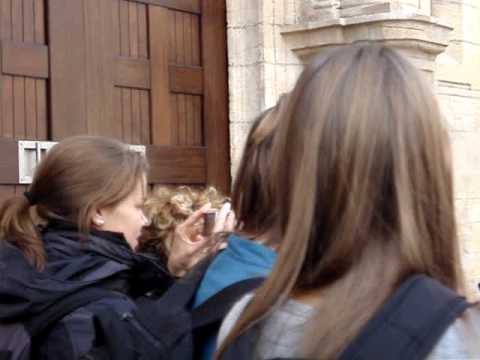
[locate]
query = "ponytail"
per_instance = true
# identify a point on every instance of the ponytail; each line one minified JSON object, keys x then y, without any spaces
{"x":17,"y":226}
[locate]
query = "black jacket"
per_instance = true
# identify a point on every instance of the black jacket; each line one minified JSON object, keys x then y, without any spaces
{"x":104,"y":260}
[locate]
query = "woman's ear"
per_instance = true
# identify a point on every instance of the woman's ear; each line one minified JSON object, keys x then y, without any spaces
{"x":98,"y":219}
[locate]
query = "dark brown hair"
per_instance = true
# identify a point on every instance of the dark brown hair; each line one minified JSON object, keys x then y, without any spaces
{"x":252,"y":197}
{"x":362,"y":181}
{"x":78,"y":176}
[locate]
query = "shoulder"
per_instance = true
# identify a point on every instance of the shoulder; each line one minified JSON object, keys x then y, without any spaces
{"x":460,"y":340}
{"x":77,"y":333}
{"x":232,"y":317}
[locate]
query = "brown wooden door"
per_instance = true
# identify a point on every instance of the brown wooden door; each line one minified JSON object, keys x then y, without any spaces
{"x":149,"y":72}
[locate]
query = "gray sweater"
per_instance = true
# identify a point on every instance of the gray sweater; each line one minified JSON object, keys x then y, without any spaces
{"x":281,"y":333}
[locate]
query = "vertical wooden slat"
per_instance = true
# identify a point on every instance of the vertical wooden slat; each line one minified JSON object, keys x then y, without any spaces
{"x":142,"y":31}
{"x":39,"y":11}
{"x":174,"y":118}
{"x":214,"y":56}
{"x":117,"y":92}
{"x":172,"y":36}
{"x":145,"y":116}
{"x":41,"y":109}
{"x":30,"y":109}
{"x":197,"y":114}
{"x":100,"y":72}
{"x":161,"y":118}
{"x":136,"y":117}
{"x":124,"y":33}
{"x":6,"y":19}
{"x":28,"y":21}
{"x":17,"y":20}
{"x":127,"y":115}
{"x":116,"y":26}
{"x":7,"y":106}
{"x":133,"y":29}
{"x":179,"y":41}
{"x":19,"y":107}
{"x":68,"y":86}
{"x":40,"y":85}
{"x":181,"y":120}
{"x":117,"y":106}
{"x":191,"y":121}
{"x":18,"y":82}
{"x":188,"y":138}
{"x":30,"y":91}
{"x":187,"y":36}
{"x":195,"y":41}
{"x":5,"y":33}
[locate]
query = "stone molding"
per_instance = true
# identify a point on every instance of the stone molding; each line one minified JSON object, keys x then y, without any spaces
{"x":420,"y":37}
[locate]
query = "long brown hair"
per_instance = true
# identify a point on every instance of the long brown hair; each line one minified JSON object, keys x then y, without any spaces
{"x":78,"y":176}
{"x":362,"y":182}
{"x":252,"y":196}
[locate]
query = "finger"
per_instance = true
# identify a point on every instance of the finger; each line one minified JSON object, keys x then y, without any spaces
{"x":197,"y":241}
{"x":196,"y":216}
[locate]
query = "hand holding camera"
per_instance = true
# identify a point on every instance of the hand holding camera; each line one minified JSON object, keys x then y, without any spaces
{"x":189,"y":246}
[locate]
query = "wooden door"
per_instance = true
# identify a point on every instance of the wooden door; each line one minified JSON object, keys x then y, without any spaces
{"x":148,"y":72}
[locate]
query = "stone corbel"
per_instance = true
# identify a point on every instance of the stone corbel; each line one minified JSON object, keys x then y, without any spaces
{"x":420,"y":37}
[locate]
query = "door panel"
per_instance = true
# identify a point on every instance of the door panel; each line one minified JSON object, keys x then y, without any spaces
{"x":149,"y":72}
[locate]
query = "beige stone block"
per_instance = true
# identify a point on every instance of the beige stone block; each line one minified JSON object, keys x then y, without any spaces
{"x":474,"y":210}
{"x":270,"y":85}
{"x":444,"y":101}
{"x":471,"y":242}
{"x":467,"y":185}
{"x":245,"y":46}
{"x":239,"y":133}
{"x":291,"y":12}
{"x":461,"y":209}
{"x":245,"y":92}
{"x":243,"y":13}
{"x":476,"y":234}
{"x":281,"y":79}
{"x":269,"y":45}
{"x":465,"y":152}
{"x":280,"y":47}
{"x":269,"y":7}
{"x":451,"y":12}
{"x":235,"y":157}
{"x":470,"y":23}
{"x":293,"y":73}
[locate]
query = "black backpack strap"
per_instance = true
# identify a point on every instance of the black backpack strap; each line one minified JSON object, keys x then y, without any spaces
{"x":217,"y":306}
{"x":410,"y":323}
{"x":183,"y":290}
{"x":63,"y":307}
{"x":171,"y":323}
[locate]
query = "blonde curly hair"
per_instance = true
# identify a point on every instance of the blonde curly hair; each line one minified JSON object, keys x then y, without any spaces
{"x":168,"y":207}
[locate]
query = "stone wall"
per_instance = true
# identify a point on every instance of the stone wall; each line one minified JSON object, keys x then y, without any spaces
{"x":267,"y":50}
{"x":261,"y":67}
{"x":458,"y":88}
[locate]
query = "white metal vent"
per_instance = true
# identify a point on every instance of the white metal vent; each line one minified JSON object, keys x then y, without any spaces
{"x":30,"y":153}
{"x":138,"y":148}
